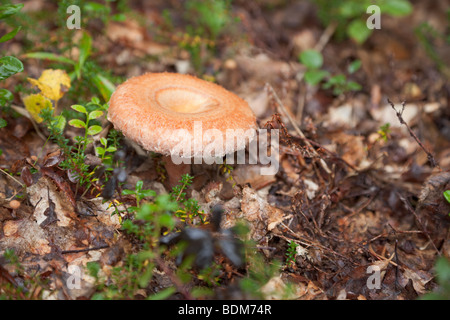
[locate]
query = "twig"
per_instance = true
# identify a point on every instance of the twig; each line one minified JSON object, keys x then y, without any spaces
{"x":24,"y":112}
{"x":419,"y":222}
{"x":412,"y":134}
{"x":85,"y":250}
{"x":10,"y":176}
{"x":297,"y":129}
{"x":326,"y":35}
{"x":175,"y":280}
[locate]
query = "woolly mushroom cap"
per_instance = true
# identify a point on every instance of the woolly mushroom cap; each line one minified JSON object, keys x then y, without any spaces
{"x":171,"y":113}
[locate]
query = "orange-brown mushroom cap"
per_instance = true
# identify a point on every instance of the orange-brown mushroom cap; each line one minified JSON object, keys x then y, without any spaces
{"x":159,"y":110}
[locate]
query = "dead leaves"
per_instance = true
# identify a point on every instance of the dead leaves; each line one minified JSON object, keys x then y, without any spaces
{"x":35,"y":103}
{"x":261,"y":216}
{"x":52,"y":83}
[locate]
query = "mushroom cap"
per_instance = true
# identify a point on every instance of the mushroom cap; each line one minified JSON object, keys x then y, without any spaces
{"x":167,"y":112}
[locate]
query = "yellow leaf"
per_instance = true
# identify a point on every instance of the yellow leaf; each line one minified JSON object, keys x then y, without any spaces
{"x":35,"y":103}
{"x":52,"y":83}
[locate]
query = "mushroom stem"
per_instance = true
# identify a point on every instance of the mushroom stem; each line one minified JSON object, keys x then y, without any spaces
{"x":174,"y":171}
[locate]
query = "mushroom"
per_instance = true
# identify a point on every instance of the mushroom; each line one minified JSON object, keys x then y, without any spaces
{"x":184,"y":118}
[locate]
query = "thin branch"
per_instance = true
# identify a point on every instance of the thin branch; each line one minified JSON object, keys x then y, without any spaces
{"x":296,"y":127}
{"x":85,"y":250}
{"x":419,"y":222}
{"x":10,"y":176}
{"x":412,"y":134}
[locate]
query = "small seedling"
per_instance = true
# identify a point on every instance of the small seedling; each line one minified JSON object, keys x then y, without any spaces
{"x":351,"y":15}
{"x":227,"y":170}
{"x":442,"y":269}
{"x":291,"y":253}
{"x":384,"y":131}
{"x":188,"y":208}
{"x":139,"y":193}
{"x":313,"y":60}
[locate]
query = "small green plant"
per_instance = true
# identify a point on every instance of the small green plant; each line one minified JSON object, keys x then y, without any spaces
{"x":188,"y":208}
{"x":428,"y":37}
{"x":75,"y":155}
{"x":227,"y":170}
{"x":82,"y":69}
{"x":9,"y":65}
{"x":105,"y":152}
{"x":139,"y":193}
{"x":30,"y":288}
{"x":291,"y":253}
{"x":442,"y":269}
{"x":137,"y":271}
{"x":209,"y":17}
{"x":384,"y":131}
{"x":206,"y":21}
{"x":351,"y":15}
{"x":259,"y":273}
{"x":313,"y":60}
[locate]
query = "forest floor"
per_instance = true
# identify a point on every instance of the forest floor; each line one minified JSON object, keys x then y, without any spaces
{"x":356,"y":210}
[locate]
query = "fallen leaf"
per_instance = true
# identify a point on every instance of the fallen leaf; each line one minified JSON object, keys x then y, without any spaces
{"x":35,"y":103}
{"x":52,"y":83}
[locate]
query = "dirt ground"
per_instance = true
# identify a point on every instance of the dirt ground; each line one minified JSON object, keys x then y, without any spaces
{"x":350,"y":198}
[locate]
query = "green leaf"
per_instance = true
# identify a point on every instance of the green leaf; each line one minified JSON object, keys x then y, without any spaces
{"x":5,"y":97}
{"x":145,"y":277}
{"x":100,"y":150}
{"x":354,"y":66}
{"x":9,"y":66}
{"x":311,"y":58}
{"x":442,"y":267}
{"x":104,"y":86}
{"x":147,"y":193}
{"x":447,"y":195}
{"x":3,"y":123}
{"x":95,"y":100}
{"x":93,"y":268}
{"x":95,"y":114}
{"x":93,"y":130}
{"x":139,"y":185}
{"x":96,"y":7}
{"x":358,"y":31}
{"x":60,"y":123}
{"x":313,"y":77}
{"x":111,"y":149}
{"x":128,"y":192}
{"x":48,"y":56}
{"x":103,"y":141}
{"x":338,"y":79}
{"x":163,"y":294}
{"x":10,"y":35}
{"x":396,"y":7}
{"x":79,"y":108}
{"x":77,"y":123}
{"x":9,"y":10}
{"x":119,"y":17}
{"x":85,"y":51}
{"x":351,"y":9}
{"x":353,"y":86}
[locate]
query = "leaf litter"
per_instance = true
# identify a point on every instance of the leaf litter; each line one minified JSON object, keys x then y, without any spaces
{"x":349,"y":198}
